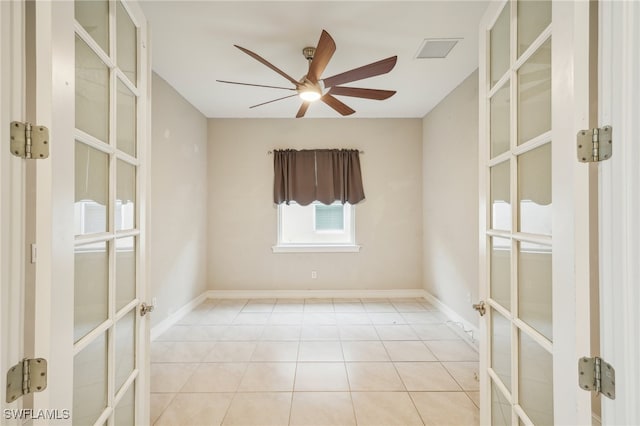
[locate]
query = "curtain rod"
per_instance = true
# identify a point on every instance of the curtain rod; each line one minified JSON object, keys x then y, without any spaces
{"x":271,"y":152}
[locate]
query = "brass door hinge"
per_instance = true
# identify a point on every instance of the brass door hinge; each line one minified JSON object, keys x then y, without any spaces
{"x":596,"y":375}
{"x":29,"y":141}
{"x":594,"y":144}
{"x":29,"y":375}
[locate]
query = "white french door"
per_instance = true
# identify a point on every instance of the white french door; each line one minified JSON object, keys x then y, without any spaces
{"x":534,"y":224}
{"x":90,"y":81}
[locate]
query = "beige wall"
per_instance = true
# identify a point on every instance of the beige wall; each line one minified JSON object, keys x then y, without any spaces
{"x":450,"y":194}
{"x":242,"y":216}
{"x":178,"y":238}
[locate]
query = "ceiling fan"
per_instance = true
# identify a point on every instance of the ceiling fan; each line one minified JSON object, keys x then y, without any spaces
{"x":312,"y":87}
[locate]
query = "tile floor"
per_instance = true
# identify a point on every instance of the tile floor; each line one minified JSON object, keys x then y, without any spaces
{"x":313,"y":362}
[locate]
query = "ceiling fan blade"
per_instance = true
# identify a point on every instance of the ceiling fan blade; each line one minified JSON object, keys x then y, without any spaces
{"x":325,"y":50}
{"x":268,"y":64}
{"x":303,"y":109}
{"x":366,"y":71}
{"x":336,"y":104}
{"x":274,"y":100}
{"x":254,"y":85}
{"x":362,"y":93}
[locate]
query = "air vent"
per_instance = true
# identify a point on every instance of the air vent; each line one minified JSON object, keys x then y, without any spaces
{"x":436,"y":47}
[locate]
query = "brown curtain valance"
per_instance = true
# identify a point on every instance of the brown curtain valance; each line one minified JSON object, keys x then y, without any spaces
{"x":325,"y":175}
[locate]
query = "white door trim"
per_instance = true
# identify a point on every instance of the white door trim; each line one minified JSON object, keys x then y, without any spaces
{"x":12,"y":177}
{"x":619,"y":204}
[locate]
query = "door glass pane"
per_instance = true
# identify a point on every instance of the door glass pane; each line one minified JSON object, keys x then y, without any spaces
{"x":90,"y":382}
{"x":501,"y":347}
{"x":500,"y":271}
{"x":125,"y":347}
{"x":125,"y":411}
{"x":534,"y":95}
{"x":125,"y":196}
{"x":500,"y":407}
{"x":91,"y":190}
{"x":500,"y":121}
{"x":534,"y":287}
{"x":126,"y":112}
{"x":500,"y":197}
{"x":499,"y":45}
{"x":534,"y":191}
{"x":533,"y":18}
{"x":125,"y":271}
{"x":92,"y":92}
{"x":91,"y":291}
{"x":94,"y":17}
{"x":536,"y":381}
{"x":127,"y":42}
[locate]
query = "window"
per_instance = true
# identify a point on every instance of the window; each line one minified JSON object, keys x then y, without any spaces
{"x":328,"y":218}
{"x":316,"y":227}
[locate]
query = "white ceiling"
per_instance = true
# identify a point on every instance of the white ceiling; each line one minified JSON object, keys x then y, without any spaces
{"x":192,"y":46}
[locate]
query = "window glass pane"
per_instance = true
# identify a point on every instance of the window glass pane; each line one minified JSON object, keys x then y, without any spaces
{"x":125,"y":347}
{"x":125,"y":411}
{"x":534,"y":191}
{"x":91,"y":190}
{"x":92,"y":92}
{"x":534,"y":287}
{"x":500,"y":120}
{"x":501,"y":347}
{"x":536,"y":381}
{"x":533,"y":18}
{"x":500,"y":407}
{"x":90,"y":382}
{"x":125,"y":271}
{"x":125,"y":196}
{"x":126,"y":116}
{"x":94,"y":17}
{"x":329,"y":218}
{"x":500,"y":197}
{"x":91,"y":291}
{"x":499,"y":45}
{"x":534,"y":95}
{"x":500,"y":271}
{"x":126,"y":44}
{"x":299,"y":224}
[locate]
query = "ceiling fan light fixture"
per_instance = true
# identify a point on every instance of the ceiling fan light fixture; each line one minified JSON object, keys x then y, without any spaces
{"x":308,"y":91}
{"x":310,"y":95}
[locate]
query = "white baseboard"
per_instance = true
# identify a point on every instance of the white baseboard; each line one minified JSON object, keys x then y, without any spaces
{"x":166,"y":323}
{"x":454,"y":317}
{"x":323,"y":294}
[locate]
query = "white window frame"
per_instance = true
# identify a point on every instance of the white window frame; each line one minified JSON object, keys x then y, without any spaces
{"x":318,"y":247}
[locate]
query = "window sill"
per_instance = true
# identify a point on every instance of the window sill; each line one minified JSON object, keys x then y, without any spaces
{"x":316,"y":248}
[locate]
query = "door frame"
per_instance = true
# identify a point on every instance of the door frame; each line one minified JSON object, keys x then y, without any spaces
{"x":572,"y":190}
{"x":619,"y":106}
{"x":12,"y":196}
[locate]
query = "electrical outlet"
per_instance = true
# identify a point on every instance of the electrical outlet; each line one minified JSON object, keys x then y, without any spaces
{"x":314,"y":275}
{"x":469,"y":297}
{"x":154,"y":301}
